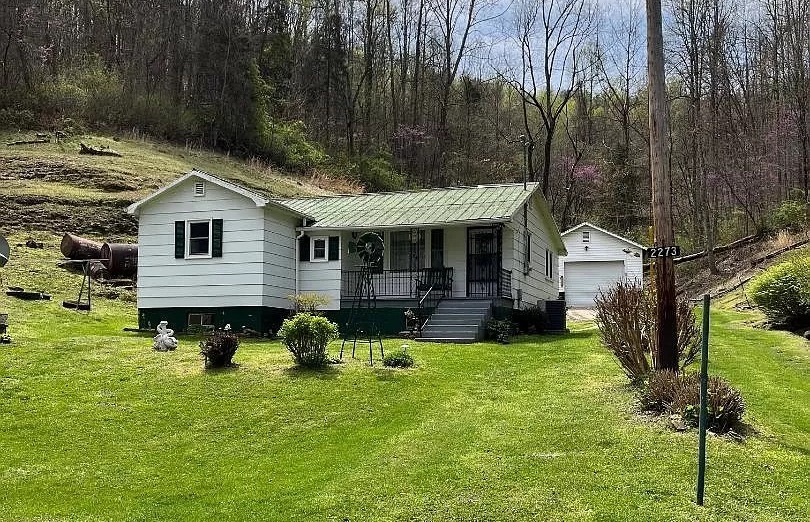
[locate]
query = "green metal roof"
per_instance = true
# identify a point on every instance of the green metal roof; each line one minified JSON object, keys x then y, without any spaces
{"x":461,"y":205}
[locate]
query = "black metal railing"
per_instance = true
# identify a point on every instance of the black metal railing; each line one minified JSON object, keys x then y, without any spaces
{"x":431,"y":291}
{"x":403,"y":284}
{"x":505,"y":283}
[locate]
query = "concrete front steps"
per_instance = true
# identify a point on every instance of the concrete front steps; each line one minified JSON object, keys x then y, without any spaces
{"x":457,"y":321}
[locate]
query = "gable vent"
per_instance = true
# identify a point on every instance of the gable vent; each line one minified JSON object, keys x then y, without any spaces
{"x":199,"y":188}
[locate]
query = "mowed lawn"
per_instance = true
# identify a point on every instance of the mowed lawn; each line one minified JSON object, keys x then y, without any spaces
{"x":97,"y":426}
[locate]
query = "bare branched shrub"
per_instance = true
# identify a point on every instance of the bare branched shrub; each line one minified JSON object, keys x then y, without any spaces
{"x":724,"y":404}
{"x":626,"y":317}
{"x":624,"y":327}
{"x":667,"y":393}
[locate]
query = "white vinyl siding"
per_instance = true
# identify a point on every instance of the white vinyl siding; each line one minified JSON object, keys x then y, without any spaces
{"x":322,"y":276}
{"x":278,"y":257}
{"x":602,"y":248}
{"x":534,"y":285}
{"x":235,"y":279}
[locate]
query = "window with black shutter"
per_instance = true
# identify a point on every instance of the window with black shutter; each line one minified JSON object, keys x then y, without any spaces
{"x":216,"y":238}
{"x":334,"y":248}
{"x":437,"y":248}
{"x":179,"y":239}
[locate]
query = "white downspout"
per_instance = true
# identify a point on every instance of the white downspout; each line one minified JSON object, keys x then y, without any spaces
{"x":298,"y":256}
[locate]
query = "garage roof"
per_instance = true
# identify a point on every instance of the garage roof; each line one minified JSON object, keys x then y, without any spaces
{"x":587,"y":224}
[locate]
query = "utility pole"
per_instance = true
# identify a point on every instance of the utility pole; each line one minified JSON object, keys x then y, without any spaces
{"x":661,"y":190}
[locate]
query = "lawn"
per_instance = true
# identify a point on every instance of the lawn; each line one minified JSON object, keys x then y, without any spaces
{"x":97,"y":426}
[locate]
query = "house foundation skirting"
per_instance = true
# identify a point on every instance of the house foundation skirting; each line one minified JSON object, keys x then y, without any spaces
{"x":262,"y":319}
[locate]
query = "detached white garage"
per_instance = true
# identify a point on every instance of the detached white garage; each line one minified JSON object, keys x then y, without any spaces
{"x":597,"y":259}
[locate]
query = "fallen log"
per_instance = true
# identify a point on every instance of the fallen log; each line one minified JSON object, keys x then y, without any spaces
{"x":28,"y":142}
{"x":75,"y":247}
{"x":717,"y":250}
{"x":93,"y":151}
{"x":758,"y":260}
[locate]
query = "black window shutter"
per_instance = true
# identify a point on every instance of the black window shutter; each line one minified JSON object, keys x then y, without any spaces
{"x":303,"y":248}
{"x":216,"y":238}
{"x":334,"y":248}
{"x":179,"y":239}
{"x":437,"y":248}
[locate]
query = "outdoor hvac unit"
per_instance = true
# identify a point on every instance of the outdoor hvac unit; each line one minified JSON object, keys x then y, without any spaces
{"x":555,"y":313}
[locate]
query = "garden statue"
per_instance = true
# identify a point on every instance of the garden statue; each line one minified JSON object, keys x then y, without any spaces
{"x":164,"y":342}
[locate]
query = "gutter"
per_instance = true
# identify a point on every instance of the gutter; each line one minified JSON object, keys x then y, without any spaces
{"x":298,"y":255}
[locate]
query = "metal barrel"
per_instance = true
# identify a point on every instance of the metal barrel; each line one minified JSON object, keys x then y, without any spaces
{"x":121,"y":259}
{"x":75,"y":247}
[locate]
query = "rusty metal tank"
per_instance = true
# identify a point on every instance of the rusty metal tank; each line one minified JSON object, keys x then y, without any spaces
{"x":75,"y":247}
{"x":121,"y":259}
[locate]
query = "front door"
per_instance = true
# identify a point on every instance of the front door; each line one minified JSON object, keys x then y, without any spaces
{"x":484,"y":254}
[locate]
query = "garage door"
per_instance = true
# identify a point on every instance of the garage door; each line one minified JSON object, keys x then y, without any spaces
{"x":583,"y":279}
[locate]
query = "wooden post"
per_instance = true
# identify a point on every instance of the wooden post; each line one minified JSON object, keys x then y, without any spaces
{"x":661,"y":189}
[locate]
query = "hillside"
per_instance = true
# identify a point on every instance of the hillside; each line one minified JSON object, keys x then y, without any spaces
{"x":737,"y":267}
{"x":51,"y":187}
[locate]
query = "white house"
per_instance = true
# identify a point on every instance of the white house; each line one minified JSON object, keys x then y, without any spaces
{"x":596,"y":259}
{"x":212,"y":252}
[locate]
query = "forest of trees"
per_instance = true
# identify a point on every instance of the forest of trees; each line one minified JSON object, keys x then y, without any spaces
{"x":409,"y":93}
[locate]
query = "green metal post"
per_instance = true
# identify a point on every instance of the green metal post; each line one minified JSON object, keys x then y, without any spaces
{"x":704,"y":380}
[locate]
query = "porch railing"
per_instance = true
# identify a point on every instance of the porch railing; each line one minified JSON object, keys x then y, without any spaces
{"x":402,"y":284}
{"x":505,"y":283}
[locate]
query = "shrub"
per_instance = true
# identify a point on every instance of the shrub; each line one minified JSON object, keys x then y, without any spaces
{"x":782,"y":291}
{"x":626,"y":317}
{"x":308,"y":303}
{"x":499,"y":330}
{"x":377,"y":173}
{"x":306,"y":337}
{"x":790,"y":215}
{"x":218,"y":348}
{"x":667,"y":392}
{"x":531,"y":320}
{"x":398,"y":359}
{"x":658,"y":393}
{"x":724,"y":404}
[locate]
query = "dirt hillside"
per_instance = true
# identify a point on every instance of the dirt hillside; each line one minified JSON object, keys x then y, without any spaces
{"x":51,"y":187}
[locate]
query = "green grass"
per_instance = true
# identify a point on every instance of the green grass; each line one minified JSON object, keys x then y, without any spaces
{"x":97,"y":426}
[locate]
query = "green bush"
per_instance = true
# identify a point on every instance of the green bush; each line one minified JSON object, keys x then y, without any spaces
{"x":531,"y":320}
{"x":398,"y":359}
{"x":667,"y":392}
{"x":790,"y":215}
{"x":499,"y":330}
{"x":306,"y":337}
{"x":17,"y":119}
{"x":376,"y":173}
{"x":219,"y":348}
{"x":782,"y":291}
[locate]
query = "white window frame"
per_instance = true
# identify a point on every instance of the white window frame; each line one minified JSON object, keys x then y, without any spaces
{"x":549,"y":264}
{"x":201,"y":314}
{"x":586,"y":236}
{"x":325,"y":257}
{"x":189,"y":255}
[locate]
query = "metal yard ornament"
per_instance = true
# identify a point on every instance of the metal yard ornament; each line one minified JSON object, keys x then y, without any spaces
{"x":362,"y":323}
